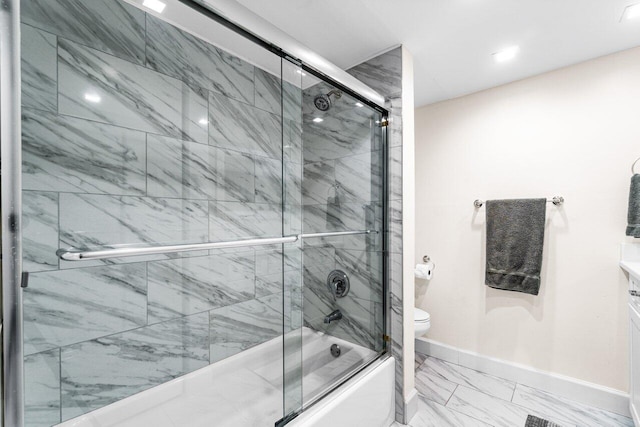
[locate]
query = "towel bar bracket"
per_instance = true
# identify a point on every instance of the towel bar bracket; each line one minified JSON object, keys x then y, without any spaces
{"x":556,"y":200}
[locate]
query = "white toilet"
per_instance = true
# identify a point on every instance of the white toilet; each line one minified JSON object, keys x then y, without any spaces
{"x":422,"y":322}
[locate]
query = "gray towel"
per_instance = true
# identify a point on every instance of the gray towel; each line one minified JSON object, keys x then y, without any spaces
{"x":633,"y":217}
{"x":515,"y":236}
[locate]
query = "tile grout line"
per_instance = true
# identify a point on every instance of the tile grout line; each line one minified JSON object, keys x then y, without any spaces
{"x":454,"y":392}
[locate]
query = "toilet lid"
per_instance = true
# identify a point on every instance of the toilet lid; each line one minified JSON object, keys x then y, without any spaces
{"x":421,"y":315}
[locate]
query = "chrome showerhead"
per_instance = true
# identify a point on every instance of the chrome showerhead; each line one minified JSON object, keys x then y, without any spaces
{"x":323,"y":101}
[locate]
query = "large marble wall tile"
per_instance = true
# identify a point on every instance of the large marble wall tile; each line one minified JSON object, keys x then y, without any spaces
{"x":96,"y":373}
{"x":395,"y":173}
{"x":292,"y":140}
{"x":63,"y":153}
{"x":177,"y":53}
{"x":268,"y":92}
{"x":189,"y":170}
{"x":192,"y":285}
{"x":382,"y":73}
{"x":39,"y":231}
{"x":100,"y":87}
{"x":180,"y":169}
{"x":336,"y":137}
{"x":239,"y":126}
{"x":236,"y":220}
{"x":42,"y":389}
{"x":88,"y":220}
{"x":268,"y":182}
{"x":241,"y":326}
{"x":238,"y":173}
{"x":70,"y":306}
{"x":319,"y":184}
{"x":364,"y":270}
{"x":111,"y":26}
{"x":334,"y":217}
{"x":39,"y":76}
{"x":293,"y":184}
{"x":360,"y":177}
{"x":292,"y":101}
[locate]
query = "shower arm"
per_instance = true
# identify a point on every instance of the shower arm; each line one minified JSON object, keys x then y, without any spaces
{"x":80,"y":255}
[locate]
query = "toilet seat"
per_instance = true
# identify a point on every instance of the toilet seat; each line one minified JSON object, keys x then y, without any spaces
{"x":421,"y":316}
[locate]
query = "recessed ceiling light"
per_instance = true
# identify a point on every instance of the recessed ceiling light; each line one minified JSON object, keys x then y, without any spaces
{"x":92,"y":97}
{"x":203,"y":121}
{"x":506,"y":54}
{"x":318,"y":119}
{"x":359,"y":104}
{"x":155,"y":5}
{"x":631,"y":12}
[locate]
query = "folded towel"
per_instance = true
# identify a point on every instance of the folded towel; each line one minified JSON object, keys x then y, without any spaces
{"x":633,"y":217}
{"x":515,"y":236}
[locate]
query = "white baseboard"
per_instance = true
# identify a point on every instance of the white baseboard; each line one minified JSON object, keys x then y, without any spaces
{"x":411,"y":406}
{"x":580,"y":391}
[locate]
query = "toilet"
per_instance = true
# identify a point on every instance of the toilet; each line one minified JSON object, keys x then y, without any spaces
{"x":421,"y":322}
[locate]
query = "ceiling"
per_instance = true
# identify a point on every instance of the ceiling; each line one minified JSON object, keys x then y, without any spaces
{"x":452,"y":41}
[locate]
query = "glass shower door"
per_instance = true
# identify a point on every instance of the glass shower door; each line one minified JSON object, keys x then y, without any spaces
{"x":343,"y":199}
{"x":142,"y":131}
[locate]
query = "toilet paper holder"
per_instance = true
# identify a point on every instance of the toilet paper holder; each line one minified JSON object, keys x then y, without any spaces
{"x":427,"y":259}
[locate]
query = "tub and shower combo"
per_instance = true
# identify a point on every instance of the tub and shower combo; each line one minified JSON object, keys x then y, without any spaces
{"x":194,"y":222}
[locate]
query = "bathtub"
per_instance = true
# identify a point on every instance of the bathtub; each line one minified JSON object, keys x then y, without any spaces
{"x":247,"y":390}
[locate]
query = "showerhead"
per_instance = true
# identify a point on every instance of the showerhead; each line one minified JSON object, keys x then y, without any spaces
{"x":323,"y":101}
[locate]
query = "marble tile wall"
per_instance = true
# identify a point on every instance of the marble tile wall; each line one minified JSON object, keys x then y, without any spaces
{"x":390,"y":65}
{"x":135,"y":132}
{"x":384,"y":74}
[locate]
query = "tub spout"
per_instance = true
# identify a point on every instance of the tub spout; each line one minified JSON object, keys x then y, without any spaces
{"x":335,"y":315}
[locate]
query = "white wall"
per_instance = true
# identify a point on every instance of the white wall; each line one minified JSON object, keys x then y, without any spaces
{"x":572,"y":132}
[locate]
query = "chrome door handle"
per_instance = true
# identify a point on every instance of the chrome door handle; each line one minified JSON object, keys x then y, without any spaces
{"x":634,"y":293}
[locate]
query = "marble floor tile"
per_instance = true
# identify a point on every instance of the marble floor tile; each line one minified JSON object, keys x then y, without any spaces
{"x":179,"y":54}
{"x":566,"y":410}
{"x":39,"y":231}
{"x":39,"y":63}
{"x":42,"y":389}
{"x":461,"y":375}
{"x":433,"y":387}
{"x":96,"y":373}
{"x":62,"y":153}
{"x":431,"y":414}
{"x":114,"y":27}
{"x":238,"y":126}
{"x":419,"y":358}
{"x":486,"y":408}
{"x":70,"y":306}
{"x":101,"y":87}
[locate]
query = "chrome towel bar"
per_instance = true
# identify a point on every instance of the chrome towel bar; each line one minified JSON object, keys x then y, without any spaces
{"x":79,"y":255}
{"x":556,"y":200}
